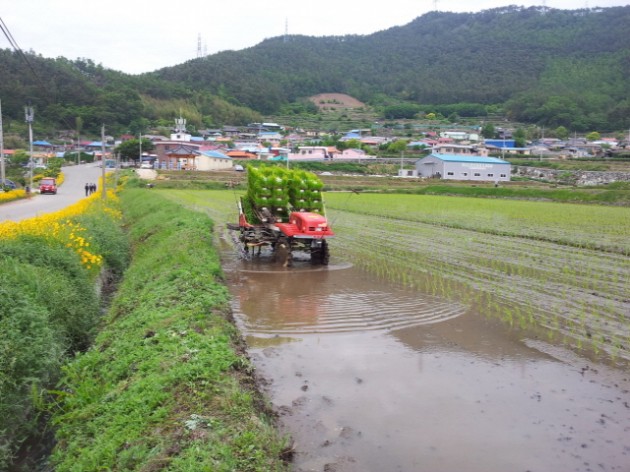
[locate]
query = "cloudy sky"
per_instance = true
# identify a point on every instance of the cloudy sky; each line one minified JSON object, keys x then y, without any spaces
{"x":136,"y":36}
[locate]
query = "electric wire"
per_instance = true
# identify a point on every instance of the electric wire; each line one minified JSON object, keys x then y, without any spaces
{"x":18,"y":49}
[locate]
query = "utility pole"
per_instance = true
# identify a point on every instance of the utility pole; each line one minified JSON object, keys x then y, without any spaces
{"x":402,"y":155}
{"x":79,"y":123}
{"x":103,"y":190}
{"x":117,"y":171}
{"x":30,"y":116}
{"x":2,"y":176}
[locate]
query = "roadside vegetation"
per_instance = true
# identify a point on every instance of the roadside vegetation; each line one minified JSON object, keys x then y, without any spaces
{"x":50,"y":269}
{"x":161,"y":381}
{"x":167,"y":384}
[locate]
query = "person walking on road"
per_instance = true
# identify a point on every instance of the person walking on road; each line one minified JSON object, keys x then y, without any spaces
{"x":87,"y":189}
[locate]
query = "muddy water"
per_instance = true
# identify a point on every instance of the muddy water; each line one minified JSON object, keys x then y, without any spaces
{"x":368,"y":376}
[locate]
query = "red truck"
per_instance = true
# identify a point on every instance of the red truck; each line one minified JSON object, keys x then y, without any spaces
{"x":48,"y":185}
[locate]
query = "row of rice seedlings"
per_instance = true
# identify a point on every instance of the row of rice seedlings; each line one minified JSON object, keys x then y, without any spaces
{"x":560,"y":290}
{"x":556,"y":317}
{"x":440,"y":278}
{"x":581,"y":226}
{"x":514,"y":266}
{"x":445,"y":283}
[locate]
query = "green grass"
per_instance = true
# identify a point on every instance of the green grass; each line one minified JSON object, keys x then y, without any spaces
{"x":166,"y":385}
{"x":602,"y":195}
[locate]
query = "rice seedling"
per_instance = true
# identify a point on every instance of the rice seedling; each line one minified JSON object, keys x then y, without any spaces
{"x":561,"y":267}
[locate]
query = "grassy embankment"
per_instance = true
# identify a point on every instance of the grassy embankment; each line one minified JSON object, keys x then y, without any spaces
{"x":560,"y":270}
{"x":166,"y":385}
{"x":50,"y":269}
{"x":159,"y":383}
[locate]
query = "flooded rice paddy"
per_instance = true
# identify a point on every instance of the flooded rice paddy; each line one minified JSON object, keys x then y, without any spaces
{"x":370,"y":376}
{"x":431,"y":348}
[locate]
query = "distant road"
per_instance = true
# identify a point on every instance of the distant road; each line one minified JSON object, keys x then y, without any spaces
{"x":72,"y":190}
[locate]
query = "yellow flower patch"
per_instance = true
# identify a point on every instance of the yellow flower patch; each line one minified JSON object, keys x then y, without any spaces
{"x":60,"y":226}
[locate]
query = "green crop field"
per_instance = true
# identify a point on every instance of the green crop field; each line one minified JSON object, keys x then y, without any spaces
{"x":560,"y":268}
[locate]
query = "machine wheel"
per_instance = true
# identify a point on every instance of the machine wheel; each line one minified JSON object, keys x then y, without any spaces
{"x":284,"y":252}
{"x":320,"y":255}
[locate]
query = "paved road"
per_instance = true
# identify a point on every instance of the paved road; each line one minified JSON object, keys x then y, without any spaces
{"x":72,"y":190}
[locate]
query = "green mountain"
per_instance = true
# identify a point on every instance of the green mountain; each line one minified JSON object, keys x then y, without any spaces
{"x":551,"y":67}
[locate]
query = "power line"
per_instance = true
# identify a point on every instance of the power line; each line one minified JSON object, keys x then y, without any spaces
{"x":40,"y":83}
{"x":9,"y":36}
{"x":18,"y":49}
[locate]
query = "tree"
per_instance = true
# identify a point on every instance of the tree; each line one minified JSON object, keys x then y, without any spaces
{"x":349,"y":144}
{"x":402,"y":110}
{"x":130,"y":149}
{"x":139,"y":126}
{"x":19,"y":158}
{"x":397,"y":146}
{"x":593,"y":136}
{"x":561,"y":132}
{"x":488,"y":131}
{"x":520,"y":139}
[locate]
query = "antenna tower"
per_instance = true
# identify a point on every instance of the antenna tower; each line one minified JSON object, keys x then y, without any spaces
{"x":199,"y":54}
{"x":286,"y":30}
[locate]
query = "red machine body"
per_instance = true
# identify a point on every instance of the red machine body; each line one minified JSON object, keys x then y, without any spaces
{"x":304,"y":232}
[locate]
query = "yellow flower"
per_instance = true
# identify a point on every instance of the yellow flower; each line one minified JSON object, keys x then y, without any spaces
{"x":60,"y":225}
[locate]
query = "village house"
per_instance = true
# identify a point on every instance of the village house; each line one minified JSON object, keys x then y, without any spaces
{"x":460,"y":149}
{"x":182,"y":152}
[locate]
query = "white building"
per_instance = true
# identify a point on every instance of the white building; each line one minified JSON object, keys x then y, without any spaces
{"x":212,"y":160}
{"x":464,"y":167}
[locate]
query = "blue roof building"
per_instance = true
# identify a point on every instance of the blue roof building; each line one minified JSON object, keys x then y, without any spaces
{"x":464,"y":167}
{"x":500,"y":143}
{"x":212,"y":160}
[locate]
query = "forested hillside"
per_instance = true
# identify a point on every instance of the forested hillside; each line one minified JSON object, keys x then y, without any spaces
{"x":553,"y":67}
{"x":549,"y":67}
{"x":80,"y":95}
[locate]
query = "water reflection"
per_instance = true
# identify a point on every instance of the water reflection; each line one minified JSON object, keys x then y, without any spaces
{"x":334,"y":300}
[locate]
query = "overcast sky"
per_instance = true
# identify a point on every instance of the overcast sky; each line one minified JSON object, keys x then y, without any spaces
{"x":136,"y":36}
